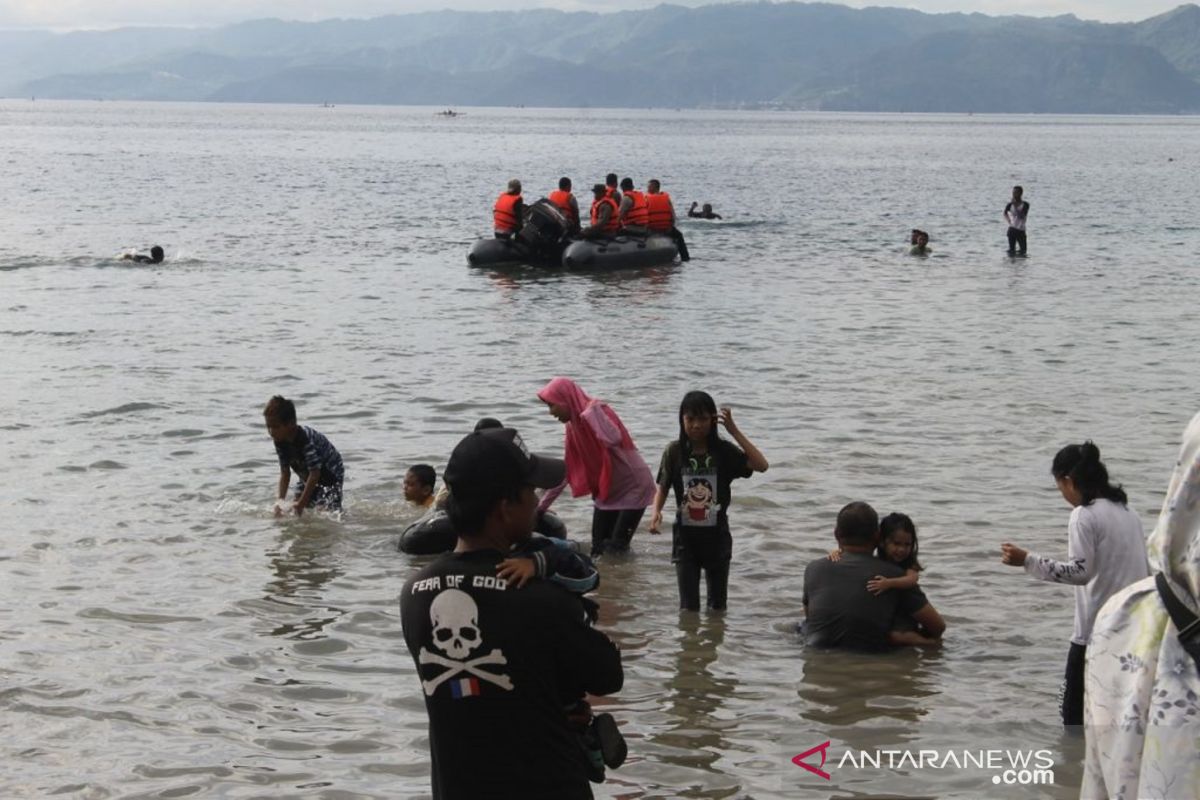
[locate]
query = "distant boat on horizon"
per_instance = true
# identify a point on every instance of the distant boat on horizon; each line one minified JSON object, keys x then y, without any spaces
{"x":449,"y":112}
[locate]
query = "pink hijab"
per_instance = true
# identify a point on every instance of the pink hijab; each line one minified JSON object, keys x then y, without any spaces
{"x":589,"y":465}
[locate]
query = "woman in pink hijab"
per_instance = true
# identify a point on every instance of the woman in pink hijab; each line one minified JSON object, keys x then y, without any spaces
{"x":602,"y":461}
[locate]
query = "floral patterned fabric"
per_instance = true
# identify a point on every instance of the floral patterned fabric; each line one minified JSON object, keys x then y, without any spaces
{"x":1142,"y":688}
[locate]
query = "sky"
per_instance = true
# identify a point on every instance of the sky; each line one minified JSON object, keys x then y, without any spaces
{"x":74,"y":14}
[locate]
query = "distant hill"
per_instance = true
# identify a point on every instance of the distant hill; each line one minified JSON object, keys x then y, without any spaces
{"x":786,"y":55}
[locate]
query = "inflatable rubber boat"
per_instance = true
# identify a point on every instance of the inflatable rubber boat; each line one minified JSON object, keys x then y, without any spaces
{"x":622,"y":252}
{"x":542,"y":242}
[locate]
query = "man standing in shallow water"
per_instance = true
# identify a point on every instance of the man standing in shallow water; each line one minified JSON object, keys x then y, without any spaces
{"x":840,"y":611}
{"x":498,"y":664}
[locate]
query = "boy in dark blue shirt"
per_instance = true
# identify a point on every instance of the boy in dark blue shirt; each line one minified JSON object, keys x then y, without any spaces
{"x":309,"y":454}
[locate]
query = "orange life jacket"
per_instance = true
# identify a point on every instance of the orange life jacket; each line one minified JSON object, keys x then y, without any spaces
{"x":562,"y":200}
{"x":658,"y":211}
{"x":613,"y":223}
{"x":504,"y":216}
{"x":639,"y":212}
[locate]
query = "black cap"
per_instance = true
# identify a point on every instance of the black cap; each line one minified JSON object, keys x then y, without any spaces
{"x":498,"y":457}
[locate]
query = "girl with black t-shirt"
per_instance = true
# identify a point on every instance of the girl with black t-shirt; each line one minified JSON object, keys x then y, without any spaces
{"x":700,"y":466}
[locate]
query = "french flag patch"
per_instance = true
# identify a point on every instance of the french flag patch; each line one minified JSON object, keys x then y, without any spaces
{"x":464,"y":687}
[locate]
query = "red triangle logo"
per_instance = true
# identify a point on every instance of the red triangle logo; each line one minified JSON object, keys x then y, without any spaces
{"x":799,"y":761}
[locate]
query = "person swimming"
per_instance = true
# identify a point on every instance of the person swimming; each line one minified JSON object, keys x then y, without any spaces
{"x":155,"y":257}
{"x":705,"y":211}
{"x":919,"y":242}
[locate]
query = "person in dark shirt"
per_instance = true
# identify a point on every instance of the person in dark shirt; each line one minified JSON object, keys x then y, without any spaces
{"x":307,"y":452}
{"x":497,"y":663}
{"x":839,"y":609}
{"x":155,"y":257}
{"x":705,"y":212}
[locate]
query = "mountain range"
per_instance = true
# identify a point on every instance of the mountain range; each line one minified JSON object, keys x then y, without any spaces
{"x":769,"y":55}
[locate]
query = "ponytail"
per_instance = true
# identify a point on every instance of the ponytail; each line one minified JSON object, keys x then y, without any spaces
{"x":1081,"y":463}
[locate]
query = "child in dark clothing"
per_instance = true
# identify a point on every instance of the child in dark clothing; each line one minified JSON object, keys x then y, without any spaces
{"x":559,"y":561}
{"x":309,"y":454}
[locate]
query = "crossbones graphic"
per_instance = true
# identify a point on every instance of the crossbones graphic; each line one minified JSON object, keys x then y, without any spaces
{"x":458,"y":667}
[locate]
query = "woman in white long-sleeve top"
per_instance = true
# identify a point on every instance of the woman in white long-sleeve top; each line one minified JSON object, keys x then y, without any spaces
{"x":1143,"y":671}
{"x":1106,"y":551}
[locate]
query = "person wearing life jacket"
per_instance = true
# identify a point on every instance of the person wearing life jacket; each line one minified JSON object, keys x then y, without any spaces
{"x":661,"y":216}
{"x":634,"y":213}
{"x":610,"y":188}
{"x":565,"y":201}
{"x":605,"y":215}
{"x":509,"y":212}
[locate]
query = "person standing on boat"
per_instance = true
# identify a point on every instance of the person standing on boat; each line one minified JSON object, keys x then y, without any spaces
{"x":660,"y":214}
{"x":634,"y":214}
{"x":604,"y":215}
{"x":565,"y":202}
{"x":509,"y":211}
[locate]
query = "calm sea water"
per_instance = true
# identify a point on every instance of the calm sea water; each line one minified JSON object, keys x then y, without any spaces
{"x":161,"y":635}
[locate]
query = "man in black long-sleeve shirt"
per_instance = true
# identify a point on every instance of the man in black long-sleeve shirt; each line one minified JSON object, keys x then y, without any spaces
{"x":497,"y":664}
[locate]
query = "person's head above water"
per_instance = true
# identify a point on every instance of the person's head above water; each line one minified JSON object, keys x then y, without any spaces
{"x":418,"y":483}
{"x":564,"y":184}
{"x":698,"y":420}
{"x":857,"y":527}
{"x":706,"y":208}
{"x":280,"y":416}
{"x":898,"y":541}
{"x":626,"y":184}
{"x":611,"y":179}
{"x":1082,"y":477}
{"x":919,"y":237}
{"x":156,"y":254}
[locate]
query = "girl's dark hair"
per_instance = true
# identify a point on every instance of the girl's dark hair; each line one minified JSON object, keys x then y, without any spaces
{"x":1081,"y":463}
{"x":891,"y":524}
{"x":698,"y":403}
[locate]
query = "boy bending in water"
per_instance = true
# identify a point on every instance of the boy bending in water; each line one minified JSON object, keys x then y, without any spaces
{"x":307,"y":452}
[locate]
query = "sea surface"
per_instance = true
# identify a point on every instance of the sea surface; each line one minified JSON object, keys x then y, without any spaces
{"x":163,"y":636}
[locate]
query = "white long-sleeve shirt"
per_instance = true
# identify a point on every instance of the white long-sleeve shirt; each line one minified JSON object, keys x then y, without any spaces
{"x":1106,"y":551}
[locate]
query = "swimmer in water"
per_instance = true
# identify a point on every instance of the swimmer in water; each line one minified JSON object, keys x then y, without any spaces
{"x":155,"y":257}
{"x":920,"y":243}
{"x":705,"y":211}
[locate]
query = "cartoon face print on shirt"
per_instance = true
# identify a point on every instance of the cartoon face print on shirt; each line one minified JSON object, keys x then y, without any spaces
{"x":457,"y":634}
{"x":699,"y":507}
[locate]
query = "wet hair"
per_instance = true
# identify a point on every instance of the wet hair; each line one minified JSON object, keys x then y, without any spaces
{"x":424,"y":474}
{"x":564,"y":184}
{"x":156,"y":254}
{"x":706,"y":208}
{"x":626,"y":184}
{"x":894,"y":523}
{"x":697,"y":403}
{"x":611,"y":179}
{"x":280,"y":409}
{"x":653,"y":184}
{"x":857,"y":524}
{"x":1081,"y":463}
{"x":488,"y":422}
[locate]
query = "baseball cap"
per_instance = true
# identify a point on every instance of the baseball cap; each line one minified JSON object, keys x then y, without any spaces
{"x":498,"y":457}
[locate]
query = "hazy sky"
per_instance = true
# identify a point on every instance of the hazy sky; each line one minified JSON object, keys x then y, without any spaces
{"x":67,"y":14}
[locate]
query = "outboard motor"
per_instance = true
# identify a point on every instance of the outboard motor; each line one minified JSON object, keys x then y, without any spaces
{"x":544,"y":224}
